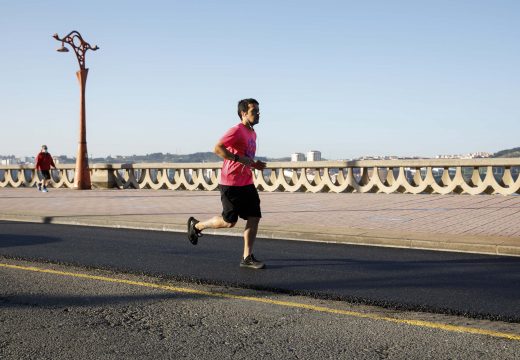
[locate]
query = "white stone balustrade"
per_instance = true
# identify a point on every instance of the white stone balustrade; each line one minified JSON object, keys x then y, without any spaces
{"x":437,"y":176}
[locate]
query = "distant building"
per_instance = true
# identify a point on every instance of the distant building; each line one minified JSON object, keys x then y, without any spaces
{"x":314,"y":155}
{"x":9,"y":160}
{"x":476,"y":155}
{"x":481,"y":154}
{"x":298,"y":157}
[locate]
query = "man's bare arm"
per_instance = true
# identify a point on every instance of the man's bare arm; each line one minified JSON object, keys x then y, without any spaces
{"x":224,"y":153}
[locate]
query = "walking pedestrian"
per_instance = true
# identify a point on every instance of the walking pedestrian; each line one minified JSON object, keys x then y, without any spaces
{"x":44,"y":162}
{"x":238,"y":193}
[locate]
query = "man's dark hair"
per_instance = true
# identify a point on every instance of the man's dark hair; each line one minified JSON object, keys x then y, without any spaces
{"x":243,"y":105}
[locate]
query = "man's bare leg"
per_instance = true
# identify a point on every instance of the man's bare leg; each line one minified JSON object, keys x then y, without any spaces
{"x":216,"y":222}
{"x":250,"y":235}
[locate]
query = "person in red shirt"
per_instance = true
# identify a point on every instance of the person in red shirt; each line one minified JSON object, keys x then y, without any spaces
{"x":238,"y":193}
{"x":44,"y":162}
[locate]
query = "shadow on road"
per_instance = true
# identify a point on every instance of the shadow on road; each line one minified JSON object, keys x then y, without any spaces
{"x":64,"y":301}
{"x":12,"y":240}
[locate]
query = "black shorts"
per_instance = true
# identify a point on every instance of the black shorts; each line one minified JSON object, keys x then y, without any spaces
{"x":45,"y":174}
{"x":240,"y":201}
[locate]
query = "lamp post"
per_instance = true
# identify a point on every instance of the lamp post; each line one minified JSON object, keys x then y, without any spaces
{"x":80,"y":47}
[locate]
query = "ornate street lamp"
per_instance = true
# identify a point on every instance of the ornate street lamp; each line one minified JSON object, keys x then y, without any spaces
{"x":80,"y":47}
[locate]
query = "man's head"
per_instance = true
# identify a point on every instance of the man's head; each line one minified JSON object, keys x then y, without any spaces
{"x":248,"y":110}
{"x":44,"y":148}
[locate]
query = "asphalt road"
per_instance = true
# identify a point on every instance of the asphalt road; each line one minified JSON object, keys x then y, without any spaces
{"x":64,"y":312}
{"x":471,"y":285}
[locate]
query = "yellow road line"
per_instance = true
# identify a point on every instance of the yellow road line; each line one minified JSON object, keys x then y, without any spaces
{"x":420,"y":323}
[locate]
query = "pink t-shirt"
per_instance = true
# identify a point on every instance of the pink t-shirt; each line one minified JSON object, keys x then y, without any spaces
{"x":242,"y":141}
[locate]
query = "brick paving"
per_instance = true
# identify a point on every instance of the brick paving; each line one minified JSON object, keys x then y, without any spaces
{"x":484,"y":224}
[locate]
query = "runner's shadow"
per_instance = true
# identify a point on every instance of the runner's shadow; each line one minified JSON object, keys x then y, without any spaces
{"x":470,"y":264}
{"x":309,"y":263}
{"x":12,"y":240}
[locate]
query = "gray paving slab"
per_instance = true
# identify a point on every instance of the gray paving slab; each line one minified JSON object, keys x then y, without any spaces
{"x":483,"y":224}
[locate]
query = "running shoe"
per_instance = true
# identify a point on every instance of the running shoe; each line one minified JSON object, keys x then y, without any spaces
{"x":193,"y":232}
{"x":252,"y":263}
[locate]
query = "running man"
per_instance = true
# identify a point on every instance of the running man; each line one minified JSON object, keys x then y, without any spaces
{"x":237,"y":191}
{"x":44,"y":163}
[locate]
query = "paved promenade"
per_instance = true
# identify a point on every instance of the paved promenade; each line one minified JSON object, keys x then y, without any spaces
{"x":483,"y":224}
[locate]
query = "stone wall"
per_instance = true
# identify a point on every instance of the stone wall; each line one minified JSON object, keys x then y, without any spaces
{"x":439,"y":176}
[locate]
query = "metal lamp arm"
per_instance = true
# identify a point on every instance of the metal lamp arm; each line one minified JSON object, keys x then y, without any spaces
{"x":79,"y":50}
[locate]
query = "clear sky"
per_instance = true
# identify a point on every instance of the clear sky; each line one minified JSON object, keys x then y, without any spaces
{"x":348,"y":78}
